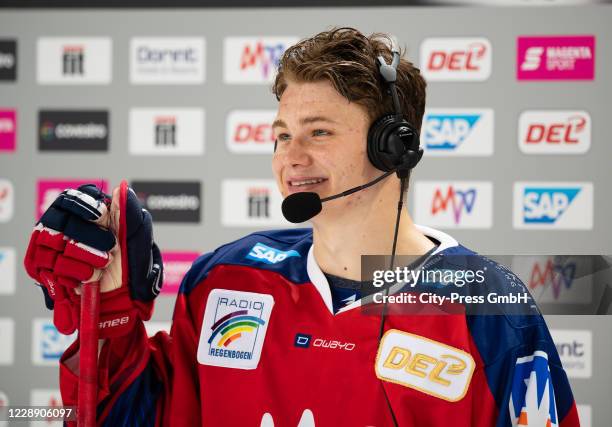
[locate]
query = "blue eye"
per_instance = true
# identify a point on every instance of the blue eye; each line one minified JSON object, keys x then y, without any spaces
{"x":320,"y":132}
{"x":283,"y":137}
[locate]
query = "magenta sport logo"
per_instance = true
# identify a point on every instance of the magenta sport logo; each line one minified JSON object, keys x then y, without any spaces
{"x":555,"y":58}
{"x":176,"y":265}
{"x":49,"y":189}
{"x":8,"y":130}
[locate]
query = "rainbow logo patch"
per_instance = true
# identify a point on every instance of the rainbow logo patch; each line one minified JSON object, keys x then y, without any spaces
{"x":231,"y":327}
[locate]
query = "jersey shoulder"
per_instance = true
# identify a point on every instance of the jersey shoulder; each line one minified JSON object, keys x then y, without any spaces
{"x":281,"y":251}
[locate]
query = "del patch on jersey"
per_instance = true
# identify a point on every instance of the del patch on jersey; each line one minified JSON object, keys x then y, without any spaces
{"x":234,"y":328}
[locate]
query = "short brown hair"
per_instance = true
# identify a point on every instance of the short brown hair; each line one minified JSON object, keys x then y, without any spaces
{"x":348,"y":60}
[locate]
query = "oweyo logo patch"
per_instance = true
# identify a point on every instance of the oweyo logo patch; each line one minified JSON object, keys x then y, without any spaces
{"x":7,"y":333}
{"x":555,"y":58}
{"x":550,"y":205}
{"x":48,"y":190}
{"x":71,"y":60}
{"x":460,"y":204}
{"x":455,"y":59}
{"x":8,"y":130}
{"x":575,"y":348}
{"x":48,"y":344}
{"x":167,"y":131}
{"x":458,"y":132}
{"x":73,"y":130}
{"x":170,"y":201}
{"x":7,"y":270}
{"x":250,"y":131}
{"x":253,"y":60}
{"x":176,"y":265}
{"x":7,"y":200}
{"x":554,"y":132}
{"x":172,"y":60}
{"x":250,"y":203}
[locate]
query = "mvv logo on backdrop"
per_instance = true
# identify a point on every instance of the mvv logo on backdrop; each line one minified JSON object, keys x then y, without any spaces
{"x":250,"y":203}
{"x":74,"y":60}
{"x":554,"y":132}
{"x":166,"y":131}
{"x":250,"y":131}
{"x":8,"y":130}
{"x":61,"y":130}
{"x":8,"y":60}
{"x":170,"y":201}
{"x":550,"y":205}
{"x":458,"y":132}
{"x":253,"y":60}
{"x":456,"y":58}
{"x":454,"y":204}
{"x":171,"y":60}
{"x":49,"y":189}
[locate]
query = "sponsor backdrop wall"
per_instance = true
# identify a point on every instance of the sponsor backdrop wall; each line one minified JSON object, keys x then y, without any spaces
{"x":178,"y":103}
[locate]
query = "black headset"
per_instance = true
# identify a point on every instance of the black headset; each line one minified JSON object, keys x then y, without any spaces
{"x":393,"y":143}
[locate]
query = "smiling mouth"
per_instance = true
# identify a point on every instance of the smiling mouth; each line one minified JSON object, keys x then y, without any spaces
{"x":308,"y":184}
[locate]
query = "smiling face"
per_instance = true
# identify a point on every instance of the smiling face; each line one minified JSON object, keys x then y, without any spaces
{"x":321,"y":144}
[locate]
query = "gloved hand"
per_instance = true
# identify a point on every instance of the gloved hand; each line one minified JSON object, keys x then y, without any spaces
{"x":74,"y":242}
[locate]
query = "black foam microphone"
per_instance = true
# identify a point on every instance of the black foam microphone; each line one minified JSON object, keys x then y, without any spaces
{"x":300,"y":207}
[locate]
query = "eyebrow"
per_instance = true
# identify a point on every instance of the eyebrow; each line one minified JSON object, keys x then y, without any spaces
{"x":304,"y":121}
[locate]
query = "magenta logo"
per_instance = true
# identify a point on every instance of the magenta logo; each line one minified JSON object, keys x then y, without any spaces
{"x":555,"y":58}
{"x":176,"y":265}
{"x":48,"y":190}
{"x":8,"y":130}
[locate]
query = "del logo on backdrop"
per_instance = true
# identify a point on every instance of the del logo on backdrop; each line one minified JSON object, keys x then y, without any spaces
{"x":7,"y":334}
{"x":250,"y":131}
{"x":458,"y":132}
{"x":8,"y":130}
{"x":554,"y":132}
{"x":49,"y":189}
{"x":575,"y":348}
{"x":253,"y":60}
{"x":456,"y":59}
{"x":74,"y":60}
{"x":553,"y":205}
{"x":51,"y":398}
{"x":171,"y":60}
{"x":64,"y":130}
{"x":453,"y":204}
{"x":251,"y":203}
{"x":7,"y":200}
{"x":8,"y":270}
{"x":48,"y":344}
{"x":176,"y":265}
{"x":167,"y":131}
{"x":8,"y":60}
{"x":170,"y":201}
{"x":555,"y":58}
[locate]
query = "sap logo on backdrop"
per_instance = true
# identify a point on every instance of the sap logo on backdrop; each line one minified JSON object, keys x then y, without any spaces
{"x":170,"y":201}
{"x":554,"y":132}
{"x":250,"y":131}
{"x":458,"y":132}
{"x":555,"y":58}
{"x":8,"y":60}
{"x":7,"y":333}
{"x":7,"y":270}
{"x":250,"y":203}
{"x":575,"y":348}
{"x":455,"y":59}
{"x":49,"y":189}
{"x":71,"y":60}
{"x":61,"y":130}
{"x":176,"y":265}
{"x":166,"y":132}
{"x":48,"y":344}
{"x":7,"y":200}
{"x":8,"y":130}
{"x":459,"y":204}
{"x":172,"y":60}
{"x":253,"y":60}
{"x":549,"y":205}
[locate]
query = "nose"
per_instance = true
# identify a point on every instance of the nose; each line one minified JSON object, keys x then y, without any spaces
{"x":296,"y":154}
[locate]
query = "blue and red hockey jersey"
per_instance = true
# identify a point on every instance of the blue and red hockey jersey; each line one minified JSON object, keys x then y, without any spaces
{"x":255,"y":342}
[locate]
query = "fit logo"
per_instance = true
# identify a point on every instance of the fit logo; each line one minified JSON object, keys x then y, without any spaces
{"x":72,"y":59}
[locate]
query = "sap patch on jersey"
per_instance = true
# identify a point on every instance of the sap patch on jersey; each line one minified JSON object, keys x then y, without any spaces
{"x":425,"y":365}
{"x":268,"y":255}
{"x":234,"y":328}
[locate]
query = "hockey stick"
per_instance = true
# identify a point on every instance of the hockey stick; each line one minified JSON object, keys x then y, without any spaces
{"x":88,"y":356}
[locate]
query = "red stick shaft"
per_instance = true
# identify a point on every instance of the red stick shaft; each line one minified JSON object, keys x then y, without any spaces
{"x":88,"y":355}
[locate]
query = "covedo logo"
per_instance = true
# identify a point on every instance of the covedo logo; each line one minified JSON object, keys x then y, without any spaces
{"x":458,"y":132}
{"x":253,"y":60}
{"x":555,"y":58}
{"x":554,"y":132}
{"x":8,"y":130}
{"x":170,"y":201}
{"x":550,"y":205}
{"x":176,"y":265}
{"x":459,"y":204}
{"x":172,"y":60}
{"x":166,"y":131}
{"x":575,"y":348}
{"x":7,"y":197}
{"x":49,"y":189}
{"x":8,"y":60}
{"x":7,"y":270}
{"x":252,"y":202}
{"x":455,"y":59}
{"x":74,"y":60}
{"x":250,"y":131}
{"x":73,"y":130}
